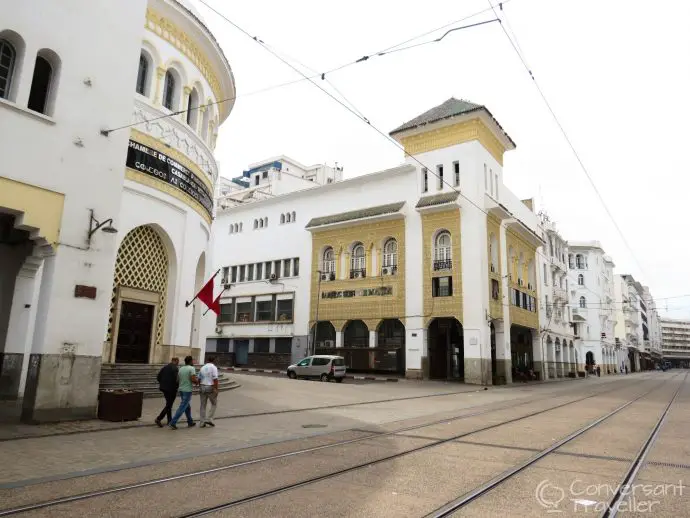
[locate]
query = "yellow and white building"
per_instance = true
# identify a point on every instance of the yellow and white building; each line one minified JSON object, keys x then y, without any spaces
{"x":426,"y":269}
{"x":104,"y":228}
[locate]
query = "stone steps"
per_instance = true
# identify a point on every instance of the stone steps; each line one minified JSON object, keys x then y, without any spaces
{"x":143,"y":378}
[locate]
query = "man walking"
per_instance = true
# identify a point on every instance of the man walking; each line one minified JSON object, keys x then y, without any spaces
{"x":187,"y":378}
{"x":167,"y":383}
{"x":208,"y":391}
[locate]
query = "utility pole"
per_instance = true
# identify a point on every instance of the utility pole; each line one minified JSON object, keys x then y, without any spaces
{"x":316,"y":315}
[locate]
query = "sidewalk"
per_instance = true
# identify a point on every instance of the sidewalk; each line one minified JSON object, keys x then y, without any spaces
{"x":368,"y":377}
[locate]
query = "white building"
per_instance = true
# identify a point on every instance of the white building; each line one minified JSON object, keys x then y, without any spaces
{"x":73,"y":296}
{"x":273,"y":177}
{"x":380,"y":262}
{"x":675,"y":335}
{"x":562,"y":351}
{"x":591,"y":298}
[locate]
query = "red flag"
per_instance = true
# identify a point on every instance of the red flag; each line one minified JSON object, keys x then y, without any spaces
{"x":206,"y":296}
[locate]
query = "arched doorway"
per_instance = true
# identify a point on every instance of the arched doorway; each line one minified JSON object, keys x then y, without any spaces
{"x":197,"y":306}
{"x":521,"y":353}
{"x":446,"y":349}
{"x":589,"y":361}
{"x":494,"y":363}
{"x":390,"y":346}
{"x":323,"y":334}
{"x":139,"y":298}
{"x":356,"y":338}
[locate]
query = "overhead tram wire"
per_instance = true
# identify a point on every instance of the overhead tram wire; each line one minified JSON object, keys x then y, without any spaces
{"x":322,"y":75}
{"x":565,"y":134}
{"x":361,"y":117}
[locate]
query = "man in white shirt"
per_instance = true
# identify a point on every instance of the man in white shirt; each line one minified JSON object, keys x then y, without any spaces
{"x":208,"y":390}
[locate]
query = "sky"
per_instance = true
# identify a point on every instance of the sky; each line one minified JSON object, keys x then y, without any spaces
{"x":615,"y":73}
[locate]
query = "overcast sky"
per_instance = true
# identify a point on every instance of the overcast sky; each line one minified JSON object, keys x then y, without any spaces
{"x":615,"y":72}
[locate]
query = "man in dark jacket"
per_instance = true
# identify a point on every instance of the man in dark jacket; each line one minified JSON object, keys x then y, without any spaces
{"x":167,"y":381}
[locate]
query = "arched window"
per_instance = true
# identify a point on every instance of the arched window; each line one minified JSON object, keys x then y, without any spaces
{"x":240,"y":227}
{"x":205,"y":121}
{"x":40,"y":85}
{"x":232,"y":229}
{"x":193,"y":109}
{"x":265,"y":221}
{"x":493,"y":252}
{"x":282,"y":219}
{"x":169,"y":93}
{"x":571,"y":261}
{"x":531,"y":275}
{"x":521,"y":268}
{"x":583,"y":302}
{"x":142,"y":74}
{"x":287,"y":218}
{"x":442,"y":252}
{"x":256,"y":223}
{"x":294,"y":216}
{"x":8,"y":54}
{"x":328,"y":261}
{"x":261,"y":223}
{"x":357,"y":261}
{"x":581,"y":280}
{"x":390,"y":253}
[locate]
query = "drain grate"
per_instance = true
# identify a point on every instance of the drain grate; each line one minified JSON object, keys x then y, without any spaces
{"x":314,"y":425}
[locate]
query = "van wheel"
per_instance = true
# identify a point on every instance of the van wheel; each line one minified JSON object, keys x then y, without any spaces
{"x":324,"y":377}
{"x":338,"y":380}
{"x":292,"y":375}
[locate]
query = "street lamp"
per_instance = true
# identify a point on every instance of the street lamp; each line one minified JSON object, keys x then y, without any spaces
{"x":94,"y":226}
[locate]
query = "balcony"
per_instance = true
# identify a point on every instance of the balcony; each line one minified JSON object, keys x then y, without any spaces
{"x":443,"y":264}
{"x":557,"y":264}
{"x":358,"y":273}
{"x":560,"y":294}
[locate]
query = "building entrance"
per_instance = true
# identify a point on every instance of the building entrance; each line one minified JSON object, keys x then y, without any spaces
{"x":134,"y":332}
{"x":446,"y":350}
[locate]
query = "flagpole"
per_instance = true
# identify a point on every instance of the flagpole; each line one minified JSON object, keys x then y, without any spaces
{"x":189,"y":303}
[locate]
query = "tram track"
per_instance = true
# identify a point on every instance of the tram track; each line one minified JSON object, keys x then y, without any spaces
{"x":461,"y":502}
{"x":373,"y":435}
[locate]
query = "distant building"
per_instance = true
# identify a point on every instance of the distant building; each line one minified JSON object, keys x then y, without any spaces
{"x":675,"y":337}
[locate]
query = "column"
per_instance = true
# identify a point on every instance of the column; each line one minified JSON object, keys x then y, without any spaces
{"x":158,"y":92}
{"x":21,"y":315}
{"x":200,"y":119}
{"x":503,"y":357}
{"x":186,"y":92}
{"x":338,"y":338}
{"x":538,"y":354}
{"x":372,"y":344}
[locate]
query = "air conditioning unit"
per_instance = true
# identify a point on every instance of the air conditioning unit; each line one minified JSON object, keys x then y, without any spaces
{"x":224,"y":281}
{"x":227,"y":286}
{"x":388,"y":270}
{"x":325,"y":276}
{"x":273,"y":276}
{"x":219,"y":330}
{"x":331,"y":276}
{"x":329,"y":343}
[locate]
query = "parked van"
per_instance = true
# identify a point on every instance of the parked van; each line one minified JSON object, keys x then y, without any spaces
{"x":323,"y":367}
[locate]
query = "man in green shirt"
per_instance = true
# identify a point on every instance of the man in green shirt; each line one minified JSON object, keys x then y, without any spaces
{"x":187,"y":378}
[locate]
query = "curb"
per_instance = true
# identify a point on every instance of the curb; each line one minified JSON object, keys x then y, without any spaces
{"x":274,"y":371}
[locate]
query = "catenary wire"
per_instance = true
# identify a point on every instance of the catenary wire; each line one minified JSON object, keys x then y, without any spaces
{"x":567,"y":138}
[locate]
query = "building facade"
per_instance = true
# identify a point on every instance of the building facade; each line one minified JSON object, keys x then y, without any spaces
{"x":562,"y":350}
{"x":393,"y":255}
{"x":592,"y":304}
{"x":105,"y":227}
{"x":675,"y":336}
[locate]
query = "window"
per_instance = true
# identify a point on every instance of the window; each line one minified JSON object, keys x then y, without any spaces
{"x":276,"y":268}
{"x":583,"y":302}
{"x":581,"y":280}
{"x":265,"y":221}
{"x":284,"y":310}
{"x":286,"y":268}
{"x":287,"y":218}
{"x":244,"y":311}
{"x":442,"y":251}
{"x":264,"y":311}
{"x":242,"y":273}
{"x":142,"y":74}
{"x":223,"y":345}
{"x":456,"y":173}
{"x":328,"y":261}
{"x":442,"y":287}
{"x":494,"y":289}
{"x":284,"y":346}
{"x":439,"y":173}
{"x":261,"y":223}
{"x":232,"y":228}
{"x":259,"y":268}
{"x":40,"y":85}
{"x":304,"y":363}
{"x":390,"y":253}
{"x":234,"y":274}
{"x":425,"y":179}
{"x":546,"y":275}
{"x":264,"y":174}
{"x":257,"y":178}
{"x":262,"y":345}
{"x":320,"y":361}
{"x":294,"y":216}
{"x":491,"y":182}
{"x":282,"y":219}
{"x":579,"y":262}
{"x":226,"y":271}
{"x":7,"y":57}
{"x":256,"y":224}
{"x":496,"y":184}
{"x":571,"y":262}
{"x":267,"y":273}
{"x":227,"y":313}
{"x":357,"y":263}
{"x":169,"y":90}
{"x":250,"y":272}
{"x":295,"y":266}
{"x":193,"y":109}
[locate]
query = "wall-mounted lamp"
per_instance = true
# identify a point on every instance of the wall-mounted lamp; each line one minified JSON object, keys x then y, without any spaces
{"x":94,"y":226}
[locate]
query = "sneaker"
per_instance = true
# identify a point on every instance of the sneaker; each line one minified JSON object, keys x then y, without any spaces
{"x":203,"y":425}
{"x":158,"y":422}
{"x":190,"y":425}
{"x":172,"y":426}
{"x":211,"y":423}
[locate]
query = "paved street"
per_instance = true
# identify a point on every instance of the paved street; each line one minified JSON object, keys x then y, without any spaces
{"x":397,"y":449}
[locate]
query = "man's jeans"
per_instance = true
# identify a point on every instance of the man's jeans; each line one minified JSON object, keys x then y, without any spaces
{"x":206,"y":393}
{"x":170,"y":396}
{"x":185,"y":400}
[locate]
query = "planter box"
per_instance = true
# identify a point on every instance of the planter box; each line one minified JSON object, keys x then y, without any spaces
{"x":581,"y":374}
{"x":120,"y":406}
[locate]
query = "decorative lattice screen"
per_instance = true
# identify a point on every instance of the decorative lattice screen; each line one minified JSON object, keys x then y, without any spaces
{"x":142,"y":263}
